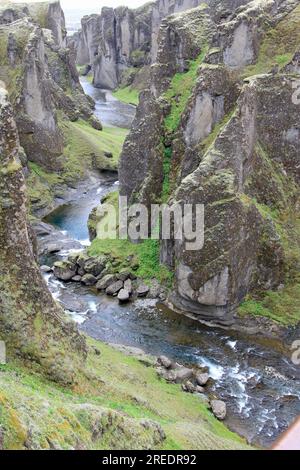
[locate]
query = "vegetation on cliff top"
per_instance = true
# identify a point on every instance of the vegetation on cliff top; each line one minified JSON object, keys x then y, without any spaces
{"x":279,"y":45}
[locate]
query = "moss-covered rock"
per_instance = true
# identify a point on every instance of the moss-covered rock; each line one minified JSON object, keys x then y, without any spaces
{"x":31,"y":323}
{"x":228,"y":144}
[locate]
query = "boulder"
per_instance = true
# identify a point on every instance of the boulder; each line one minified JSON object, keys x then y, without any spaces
{"x":188,"y":387}
{"x":45,"y":269}
{"x":95,"y":266}
{"x":182,"y":374}
{"x":142,"y":290}
{"x":155,"y":289}
{"x":123,"y":295}
{"x":168,"y":375}
{"x":219,"y":409}
{"x":82,"y":259}
{"x":88,"y":280}
{"x":114,"y":288}
{"x":54,"y":247}
{"x":72,"y":258}
{"x":76,"y":278}
{"x":106,"y":281}
{"x":124,"y":275}
{"x":72,"y":303}
{"x":95,"y":123}
{"x":108,"y":154}
{"x":178,"y":375}
{"x":64,"y":270}
{"x":164,"y":361}
{"x":128,"y":286}
{"x":202,"y":379}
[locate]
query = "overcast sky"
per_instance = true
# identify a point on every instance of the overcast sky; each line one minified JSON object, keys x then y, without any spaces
{"x":96,"y":5}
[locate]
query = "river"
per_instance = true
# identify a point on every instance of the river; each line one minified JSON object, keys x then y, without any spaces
{"x":260,"y":386}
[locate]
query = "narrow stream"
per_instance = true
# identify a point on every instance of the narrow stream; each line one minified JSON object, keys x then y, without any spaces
{"x":261,"y":387}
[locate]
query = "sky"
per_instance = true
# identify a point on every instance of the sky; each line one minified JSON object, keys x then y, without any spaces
{"x":75,"y":9}
{"x":96,"y":5}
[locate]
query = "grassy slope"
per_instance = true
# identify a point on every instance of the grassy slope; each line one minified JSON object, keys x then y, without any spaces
{"x":127,"y":95}
{"x":282,"y":307}
{"x":84,"y":148}
{"x":115,"y":382}
{"x":144,"y":257}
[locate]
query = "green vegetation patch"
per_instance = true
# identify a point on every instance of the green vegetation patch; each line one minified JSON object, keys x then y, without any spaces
{"x":128,"y":95}
{"x":113,"y":393}
{"x":281,"y":306}
{"x":141,"y":258}
{"x":180,"y":91}
{"x":279,"y":45}
{"x":178,"y":95}
{"x":85,"y":149}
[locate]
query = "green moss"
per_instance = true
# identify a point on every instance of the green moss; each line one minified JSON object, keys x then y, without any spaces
{"x":15,"y":434}
{"x":137,"y":57}
{"x":180,"y":91}
{"x":12,"y":76}
{"x":210,"y":139}
{"x":282,"y":307}
{"x":128,"y":95}
{"x":279,"y":45}
{"x":177,"y":95}
{"x":12,"y":167}
{"x":144,"y":258}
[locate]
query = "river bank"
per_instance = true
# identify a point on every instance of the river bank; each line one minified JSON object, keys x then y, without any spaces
{"x":260,"y":386}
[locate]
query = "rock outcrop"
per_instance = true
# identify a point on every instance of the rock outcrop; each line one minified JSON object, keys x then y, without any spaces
{"x":229,"y":143}
{"x":41,"y":78}
{"x":113,"y":42}
{"x":31,"y":324}
{"x":117,"y":43}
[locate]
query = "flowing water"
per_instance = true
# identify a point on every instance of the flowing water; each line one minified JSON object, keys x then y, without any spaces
{"x":260,"y":386}
{"x":109,"y":110}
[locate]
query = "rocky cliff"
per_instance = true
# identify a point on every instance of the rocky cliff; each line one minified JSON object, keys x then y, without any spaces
{"x":118,"y":42}
{"x":41,"y":77}
{"x":31,"y":324}
{"x":114,"y":41}
{"x":222,"y":97}
{"x":57,"y":128}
